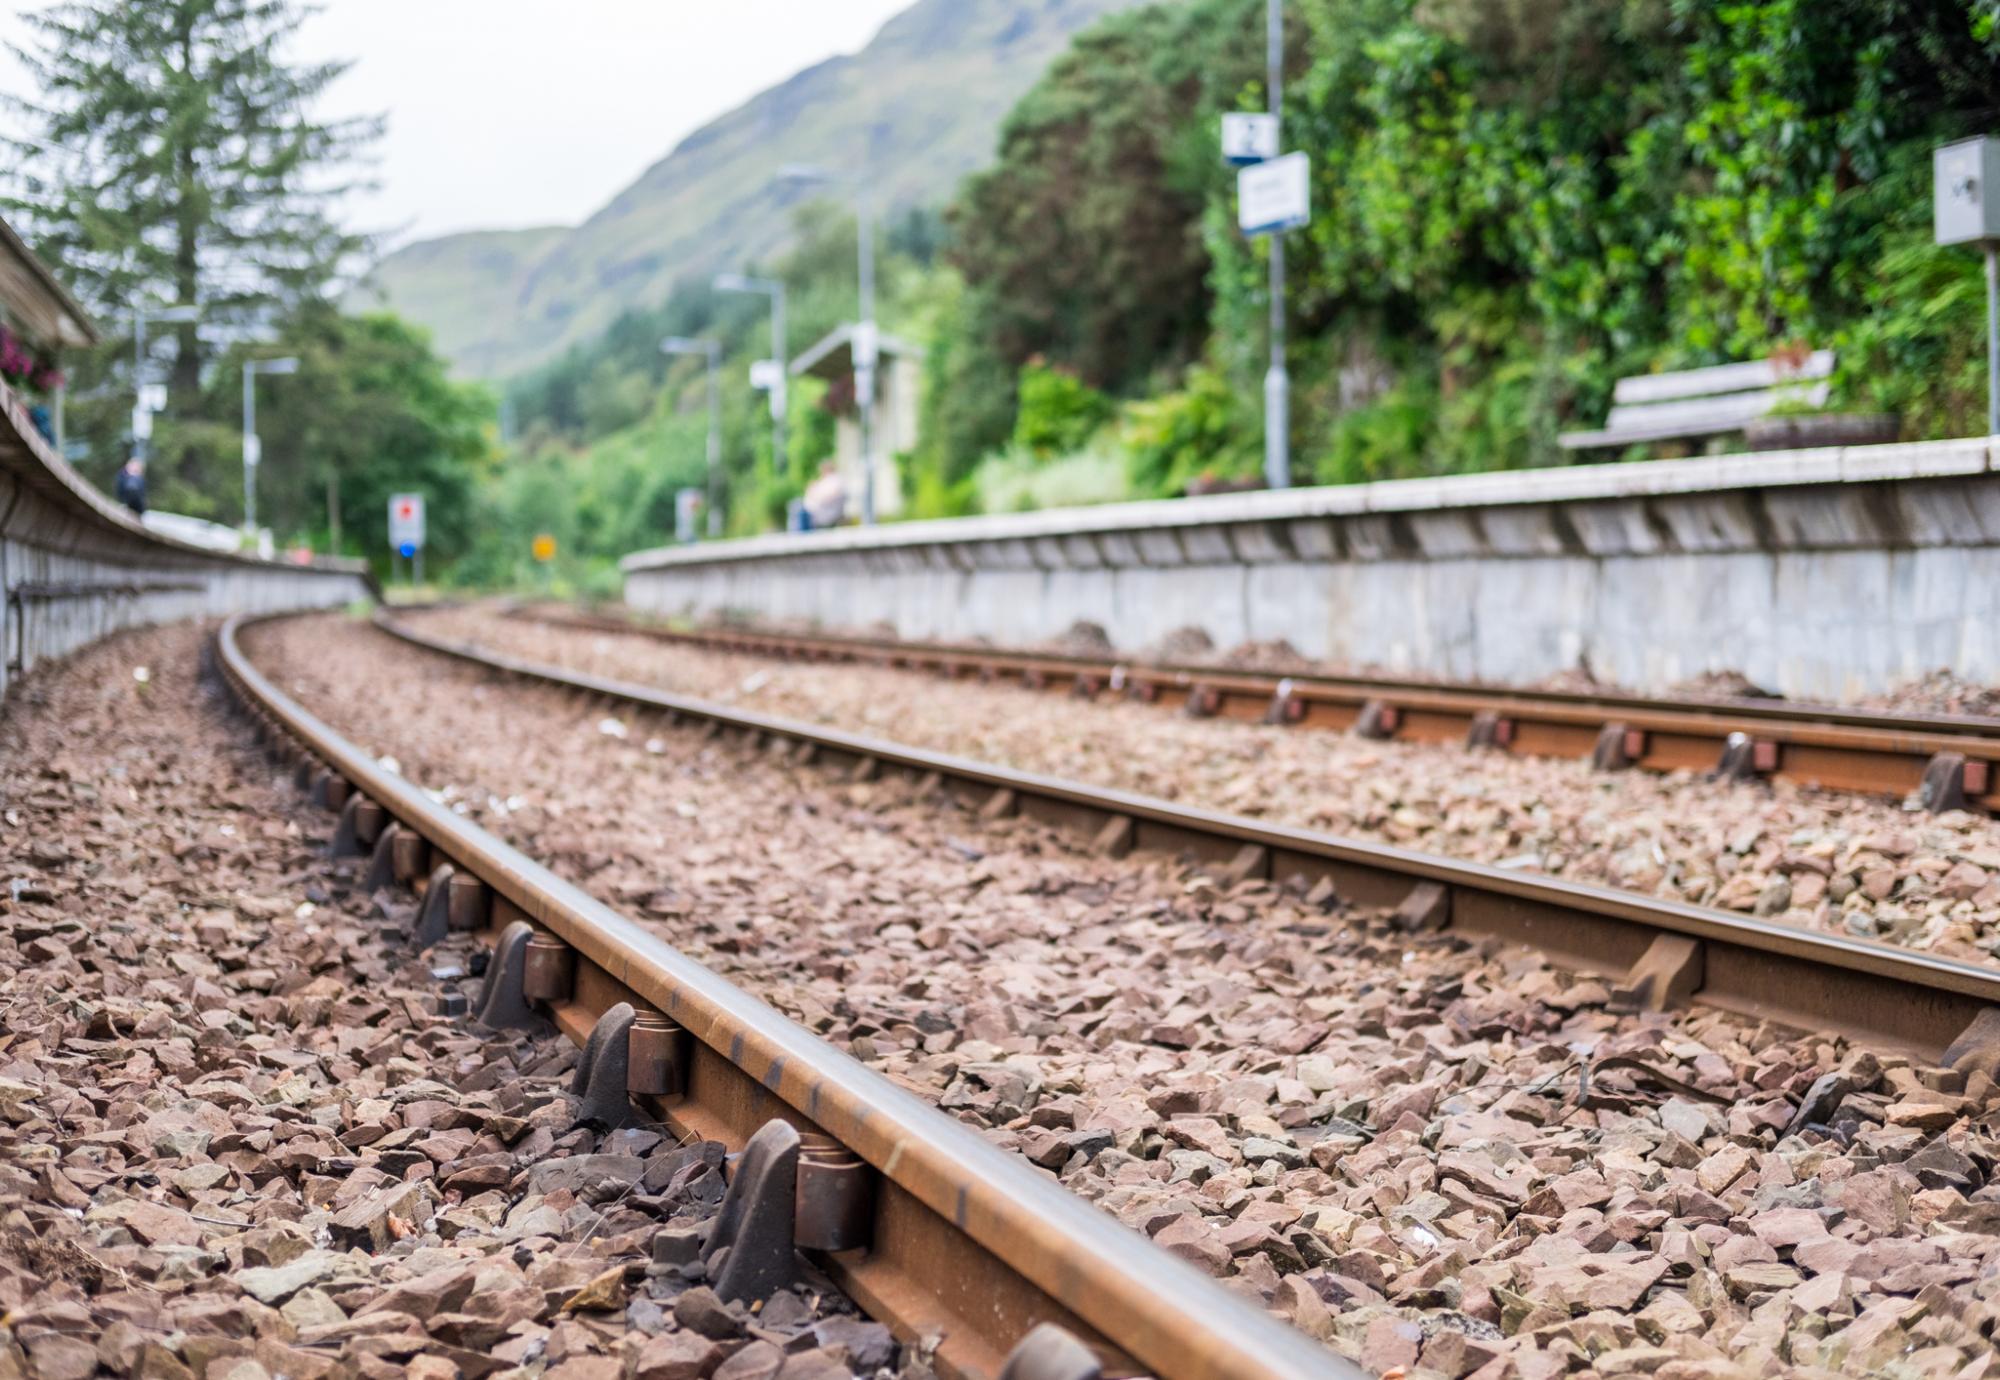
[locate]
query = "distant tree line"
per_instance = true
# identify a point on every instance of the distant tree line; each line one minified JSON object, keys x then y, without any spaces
{"x":174,"y":159}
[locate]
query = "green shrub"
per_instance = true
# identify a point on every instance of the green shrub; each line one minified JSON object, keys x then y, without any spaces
{"x":1058,"y":412}
{"x":1018,"y":481}
{"x":1206,"y":428}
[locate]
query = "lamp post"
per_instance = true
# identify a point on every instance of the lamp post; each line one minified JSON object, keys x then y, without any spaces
{"x":866,"y":338}
{"x":712,"y":351}
{"x":775,"y":290}
{"x":253,"y":449}
{"x":1277,"y":382}
{"x":175,"y":316}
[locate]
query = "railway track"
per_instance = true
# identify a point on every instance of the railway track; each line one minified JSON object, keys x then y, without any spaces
{"x":1947,"y":761}
{"x":926,"y":1225}
{"x":1656,"y":952}
{"x":962,"y":1240}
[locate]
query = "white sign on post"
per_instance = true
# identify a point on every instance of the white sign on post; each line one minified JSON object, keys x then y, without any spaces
{"x":768,"y":376}
{"x":253,"y":451}
{"x":153,"y":397}
{"x":1275,"y":196}
{"x":1249,"y":138}
{"x":1966,"y":199}
{"x":406,"y":523}
{"x":142,"y":424}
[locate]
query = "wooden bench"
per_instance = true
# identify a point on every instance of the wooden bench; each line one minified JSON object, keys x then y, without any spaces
{"x":1707,"y":402}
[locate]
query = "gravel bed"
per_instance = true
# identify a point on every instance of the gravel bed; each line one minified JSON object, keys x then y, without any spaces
{"x":237,"y":1138}
{"x":1430,"y":1154}
{"x":1827,"y":860}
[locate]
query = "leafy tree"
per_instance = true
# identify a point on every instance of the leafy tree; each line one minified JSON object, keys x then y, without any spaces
{"x":175,"y":159}
{"x":1519,"y":201}
{"x":371,"y":412}
{"x":1083,"y":244}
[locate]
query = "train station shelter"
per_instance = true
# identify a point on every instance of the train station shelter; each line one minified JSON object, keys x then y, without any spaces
{"x":39,"y":323}
{"x":898,"y":379}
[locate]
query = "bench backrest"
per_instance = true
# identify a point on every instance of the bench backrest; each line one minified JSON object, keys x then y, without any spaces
{"x":1720,"y":398}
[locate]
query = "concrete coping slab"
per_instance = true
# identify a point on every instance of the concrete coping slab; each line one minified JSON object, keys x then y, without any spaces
{"x":1905,"y":461}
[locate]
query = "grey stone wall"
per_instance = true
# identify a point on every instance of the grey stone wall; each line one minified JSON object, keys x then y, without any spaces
{"x":74,"y":567}
{"x":1816,"y":573}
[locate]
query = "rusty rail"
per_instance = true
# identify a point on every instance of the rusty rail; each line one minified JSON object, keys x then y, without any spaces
{"x":1952,"y":761}
{"x":1660,"y":951}
{"x":963,"y":1240}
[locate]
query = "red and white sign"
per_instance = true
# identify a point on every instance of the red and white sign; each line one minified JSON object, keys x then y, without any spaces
{"x":406,"y":522}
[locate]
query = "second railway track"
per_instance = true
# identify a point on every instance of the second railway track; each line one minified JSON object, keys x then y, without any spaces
{"x":1658,"y":951}
{"x":1947,"y":761}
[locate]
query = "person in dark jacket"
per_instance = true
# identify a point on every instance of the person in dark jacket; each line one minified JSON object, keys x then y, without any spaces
{"x":131,"y":486}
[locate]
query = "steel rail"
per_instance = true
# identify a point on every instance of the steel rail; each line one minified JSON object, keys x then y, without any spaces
{"x":1886,"y":995}
{"x":1867,"y":751}
{"x":968,"y":1242}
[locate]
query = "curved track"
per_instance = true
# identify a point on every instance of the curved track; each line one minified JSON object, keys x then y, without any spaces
{"x":954,"y":1238}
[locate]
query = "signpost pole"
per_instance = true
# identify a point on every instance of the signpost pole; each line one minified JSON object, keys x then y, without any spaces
{"x":865,"y":356}
{"x":1993,"y":337}
{"x":714,"y":438}
{"x":250,"y":456}
{"x":138,"y":383}
{"x":1277,"y":382}
{"x":780,"y":462}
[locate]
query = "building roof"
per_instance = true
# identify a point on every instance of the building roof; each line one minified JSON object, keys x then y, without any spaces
{"x":36,"y":302}
{"x":833,"y":356}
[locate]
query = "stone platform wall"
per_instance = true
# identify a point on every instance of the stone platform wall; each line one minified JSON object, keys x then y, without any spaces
{"x":1816,"y":573}
{"x":75,"y":567}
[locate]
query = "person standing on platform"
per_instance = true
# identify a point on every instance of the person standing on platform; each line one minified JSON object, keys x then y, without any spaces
{"x":131,"y":486}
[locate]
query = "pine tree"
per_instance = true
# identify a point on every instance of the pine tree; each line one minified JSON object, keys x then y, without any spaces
{"x":176,"y":158}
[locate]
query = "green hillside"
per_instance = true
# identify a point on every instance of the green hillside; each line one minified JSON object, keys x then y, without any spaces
{"x":914,"y":111}
{"x":460,"y":286}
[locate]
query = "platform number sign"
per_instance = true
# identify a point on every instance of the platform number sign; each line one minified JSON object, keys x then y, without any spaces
{"x":406,"y":524}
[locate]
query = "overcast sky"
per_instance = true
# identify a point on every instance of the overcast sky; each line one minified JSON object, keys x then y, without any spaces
{"x":506,"y":113}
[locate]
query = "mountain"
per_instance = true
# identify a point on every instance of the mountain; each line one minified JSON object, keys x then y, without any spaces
{"x":909,"y":115}
{"x":452,"y":285}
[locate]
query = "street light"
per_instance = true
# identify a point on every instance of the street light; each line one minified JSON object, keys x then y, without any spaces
{"x":866,"y":342}
{"x":1277,"y":383}
{"x":253,"y":449}
{"x":712,"y":351}
{"x":181,"y":315}
{"x":775,"y":290}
